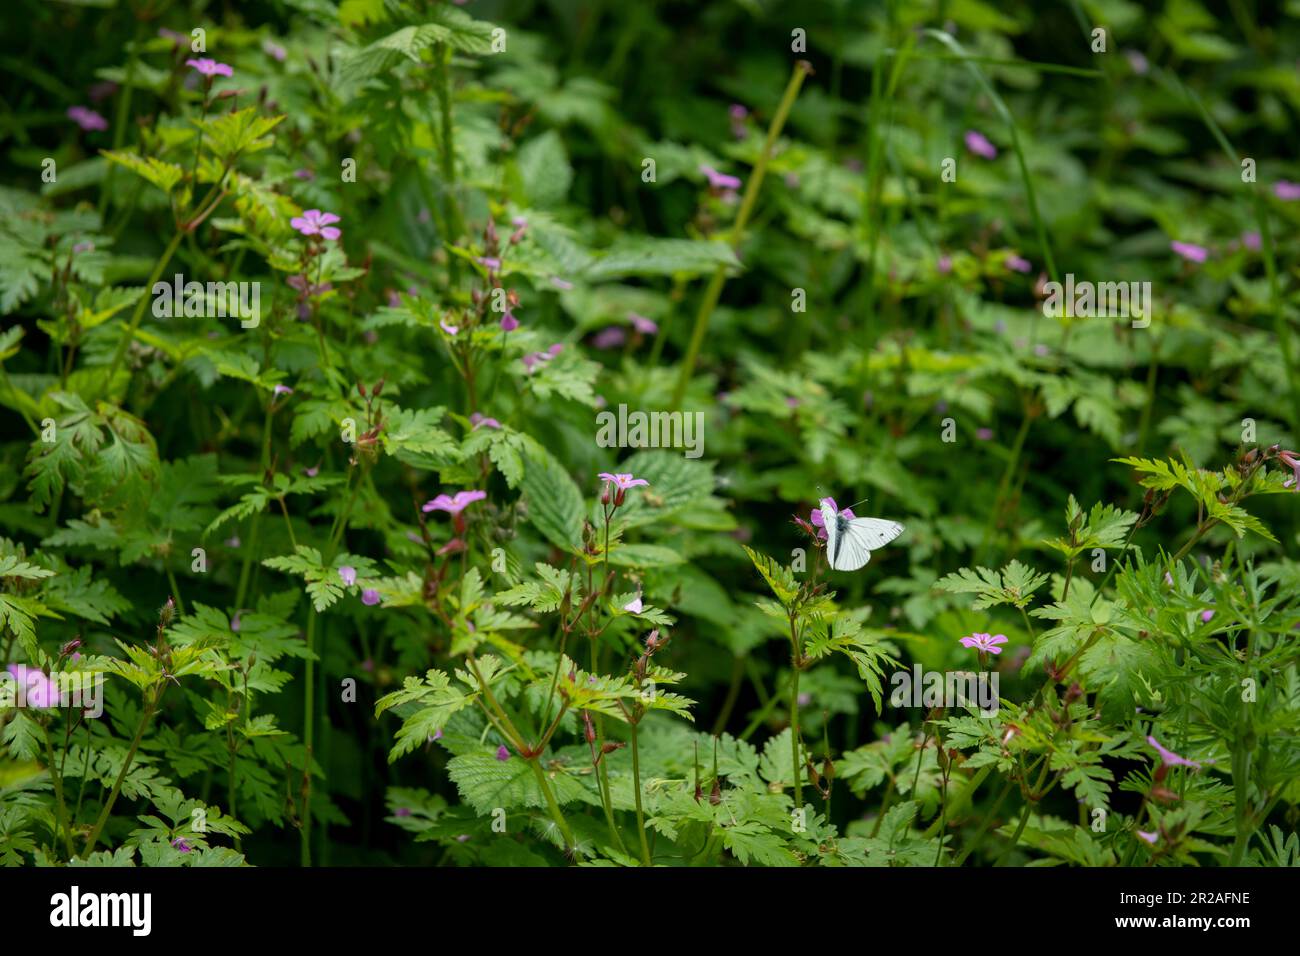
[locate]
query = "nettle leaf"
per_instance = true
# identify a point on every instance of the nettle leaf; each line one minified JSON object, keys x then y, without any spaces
{"x":555,"y":505}
{"x":1015,"y":585}
{"x":676,"y":485}
{"x":486,"y":782}
{"x":450,"y":26}
{"x":647,"y":256}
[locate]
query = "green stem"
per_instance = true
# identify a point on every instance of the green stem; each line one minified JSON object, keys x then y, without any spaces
{"x":1241,"y":757}
{"x":127,"y":338}
{"x":714,"y":290}
{"x":794,"y":737}
{"x":556,"y":814}
{"x":61,"y":810}
{"x":308,"y":718}
{"x":640,"y":815}
{"x":149,"y":710}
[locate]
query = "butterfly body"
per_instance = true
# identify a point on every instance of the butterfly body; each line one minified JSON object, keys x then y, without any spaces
{"x":850,"y":541}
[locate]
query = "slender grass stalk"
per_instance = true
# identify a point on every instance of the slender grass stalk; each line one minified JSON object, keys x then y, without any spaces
{"x":714,"y":289}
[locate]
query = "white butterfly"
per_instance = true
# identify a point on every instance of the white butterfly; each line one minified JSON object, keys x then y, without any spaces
{"x":850,"y":541}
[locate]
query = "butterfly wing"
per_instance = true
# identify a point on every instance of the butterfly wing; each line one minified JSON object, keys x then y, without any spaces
{"x":856,"y":538}
{"x":832,"y":528}
{"x":875,"y":532}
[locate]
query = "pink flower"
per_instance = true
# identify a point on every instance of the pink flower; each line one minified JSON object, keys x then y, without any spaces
{"x":1290,"y":459}
{"x":978,"y":144}
{"x":1286,"y":191}
{"x":348,"y":574}
{"x":86,"y":118}
{"x":1250,"y":240}
{"x":1137,"y":62}
{"x":1018,"y":263}
{"x":819,"y":523}
{"x":634,"y":605}
{"x":314,"y":222}
{"x":300,"y":283}
{"x":503,"y":754}
{"x":370,"y":597}
{"x":1190,"y":251}
{"x":478,"y":420}
{"x":622,"y":481}
{"x":508,"y":322}
{"x":561,"y":284}
{"x":610,"y":337}
{"x":1207,"y":616}
{"x":454,"y":505}
{"x":985,"y":642}
{"x":1149,"y":837}
{"x":555,"y":349}
{"x":642,"y":324}
{"x":488,"y":262}
{"x":449,"y":329}
{"x":273,"y":50}
{"x":210,"y":68}
{"x":944,"y":265}
{"x":1171,"y":759}
{"x":282,"y":390}
{"x":984,"y":434}
{"x":738,"y":114}
{"x":181,"y":844}
{"x":38,"y":690}
{"x":720,"y":181}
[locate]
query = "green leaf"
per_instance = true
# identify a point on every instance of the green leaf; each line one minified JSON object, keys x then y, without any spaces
{"x":555,"y":505}
{"x":162,"y":174}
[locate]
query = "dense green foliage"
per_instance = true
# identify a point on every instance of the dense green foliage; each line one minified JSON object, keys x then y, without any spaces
{"x":335,"y":538}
